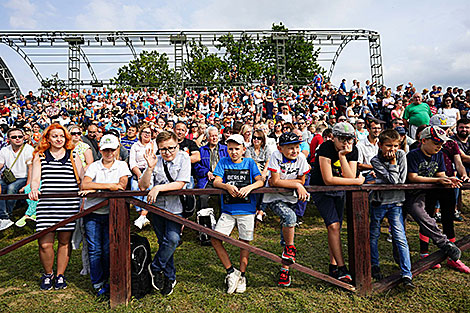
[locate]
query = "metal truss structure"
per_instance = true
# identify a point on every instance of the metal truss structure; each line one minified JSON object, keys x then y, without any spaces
{"x":77,"y":48}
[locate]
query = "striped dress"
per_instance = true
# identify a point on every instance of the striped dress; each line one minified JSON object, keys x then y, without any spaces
{"x":57,"y":176}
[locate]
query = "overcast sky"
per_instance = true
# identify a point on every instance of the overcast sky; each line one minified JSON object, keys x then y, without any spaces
{"x":424,"y":42}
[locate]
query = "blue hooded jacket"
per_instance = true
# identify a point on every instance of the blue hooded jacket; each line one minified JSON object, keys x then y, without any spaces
{"x":203,"y":167}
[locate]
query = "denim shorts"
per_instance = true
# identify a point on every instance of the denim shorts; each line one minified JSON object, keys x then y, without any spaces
{"x":285,"y":210}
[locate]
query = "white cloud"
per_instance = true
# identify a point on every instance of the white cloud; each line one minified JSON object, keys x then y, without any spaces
{"x":23,"y":14}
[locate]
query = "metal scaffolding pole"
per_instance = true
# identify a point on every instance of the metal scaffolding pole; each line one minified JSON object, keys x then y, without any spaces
{"x":74,"y":62}
{"x":178,"y":41}
{"x":375,"y":53}
{"x":281,"y":73}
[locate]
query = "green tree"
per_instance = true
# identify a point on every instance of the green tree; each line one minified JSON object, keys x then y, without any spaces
{"x":149,"y":69}
{"x":244,"y":53}
{"x":203,"y":67}
{"x":301,"y":55}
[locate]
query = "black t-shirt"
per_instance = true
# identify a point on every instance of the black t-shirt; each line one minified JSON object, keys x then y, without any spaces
{"x":423,"y":165}
{"x":189,"y":146}
{"x":328,"y":150}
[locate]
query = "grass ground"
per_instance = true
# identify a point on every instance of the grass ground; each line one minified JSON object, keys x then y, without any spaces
{"x":200,"y":278}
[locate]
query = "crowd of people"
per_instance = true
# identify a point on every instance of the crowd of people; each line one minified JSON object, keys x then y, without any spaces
{"x":236,"y":139}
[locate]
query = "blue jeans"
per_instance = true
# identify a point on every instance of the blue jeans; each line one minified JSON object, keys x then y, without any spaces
{"x":168,"y":235}
{"x":6,"y":206}
{"x":97,"y":237}
{"x":394,"y":214}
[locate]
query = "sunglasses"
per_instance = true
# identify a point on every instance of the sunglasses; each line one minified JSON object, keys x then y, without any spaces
{"x":257,"y":138}
{"x":75,"y":133}
{"x":17,"y":137}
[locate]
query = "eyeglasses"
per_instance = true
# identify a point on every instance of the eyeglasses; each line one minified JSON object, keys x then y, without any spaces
{"x":145,"y":132}
{"x":168,"y":150}
{"x":257,"y":138}
{"x":75,"y":133}
{"x":17,"y":137}
{"x":345,"y":139}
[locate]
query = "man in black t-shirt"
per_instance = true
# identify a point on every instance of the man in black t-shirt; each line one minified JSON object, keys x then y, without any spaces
{"x":189,"y":147}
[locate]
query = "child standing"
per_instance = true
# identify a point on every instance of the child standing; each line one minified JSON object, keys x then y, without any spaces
{"x":426,"y":165}
{"x":287,"y":168}
{"x":105,"y":174}
{"x":336,"y":164}
{"x":239,"y":176}
{"x":389,"y":166}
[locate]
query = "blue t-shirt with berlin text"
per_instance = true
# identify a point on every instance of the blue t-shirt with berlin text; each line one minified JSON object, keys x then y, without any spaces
{"x":239,"y":174}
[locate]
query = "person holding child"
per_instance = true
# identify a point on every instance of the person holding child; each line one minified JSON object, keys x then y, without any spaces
{"x":238,"y":176}
{"x":335,"y":165}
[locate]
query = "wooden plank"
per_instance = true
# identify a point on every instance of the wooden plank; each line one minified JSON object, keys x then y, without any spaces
{"x":237,"y":243}
{"x":26,"y":240}
{"x":359,"y":240}
{"x":418,"y":267}
{"x":119,"y":252}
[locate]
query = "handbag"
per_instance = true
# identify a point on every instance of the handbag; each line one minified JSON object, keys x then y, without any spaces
{"x":7,"y":176}
{"x":188,"y":201}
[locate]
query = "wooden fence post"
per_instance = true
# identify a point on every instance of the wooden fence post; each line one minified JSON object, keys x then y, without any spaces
{"x":357,"y":204}
{"x":119,"y":252}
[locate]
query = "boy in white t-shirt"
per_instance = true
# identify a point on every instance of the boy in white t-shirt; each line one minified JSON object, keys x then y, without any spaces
{"x":104,"y":174}
{"x":287,"y":168}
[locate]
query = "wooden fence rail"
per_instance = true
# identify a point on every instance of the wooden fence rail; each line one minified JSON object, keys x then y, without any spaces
{"x":357,"y":206}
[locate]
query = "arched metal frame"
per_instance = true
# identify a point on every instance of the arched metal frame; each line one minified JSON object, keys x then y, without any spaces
{"x":173,"y":43}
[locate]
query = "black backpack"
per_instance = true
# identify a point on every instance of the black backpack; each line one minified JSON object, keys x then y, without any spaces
{"x":141,"y":257}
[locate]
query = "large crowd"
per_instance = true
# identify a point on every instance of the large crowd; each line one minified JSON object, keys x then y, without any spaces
{"x":237,"y":139}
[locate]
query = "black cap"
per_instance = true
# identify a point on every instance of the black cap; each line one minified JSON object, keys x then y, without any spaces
{"x":288,"y":138}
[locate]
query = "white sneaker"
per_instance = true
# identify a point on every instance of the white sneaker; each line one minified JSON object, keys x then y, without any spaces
{"x":140,"y":221}
{"x":4,"y":224}
{"x":241,"y":285}
{"x":232,"y":280}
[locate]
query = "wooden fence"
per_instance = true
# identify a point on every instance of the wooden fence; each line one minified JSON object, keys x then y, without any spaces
{"x":357,"y":208}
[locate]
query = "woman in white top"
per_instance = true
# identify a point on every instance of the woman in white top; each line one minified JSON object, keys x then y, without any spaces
{"x":138,"y":164}
{"x":453,"y":114}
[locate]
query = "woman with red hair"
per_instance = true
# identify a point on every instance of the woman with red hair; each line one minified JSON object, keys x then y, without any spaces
{"x":55,"y":165}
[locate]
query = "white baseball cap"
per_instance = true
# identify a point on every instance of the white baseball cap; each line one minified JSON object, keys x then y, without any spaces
{"x":109,"y":142}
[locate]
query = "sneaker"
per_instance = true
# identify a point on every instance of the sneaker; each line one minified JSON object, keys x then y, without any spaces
{"x":284,"y":278}
{"x":288,"y":254}
{"x":333,"y":272}
{"x":232,"y":280}
{"x":425,"y":255}
{"x":408,"y":283}
{"x":60,"y":282}
{"x":168,"y":287}
{"x":21,"y":222}
{"x":103,"y":290}
{"x":457,"y":216}
{"x":4,"y":224}
{"x":458,"y":265}
{"x":343,"y":275}
{"x":32,"y":217}
{"x":241,"y":288}
{"x":47,"y":281}
{"x":438,"y":217}
{"x":157,"y":279}
{"x":452,"y":251}
{"x":376,"y":273}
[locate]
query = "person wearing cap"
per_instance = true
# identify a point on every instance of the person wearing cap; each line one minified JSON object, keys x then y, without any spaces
{"x":104,"y":174}
{"x":335,"y":164}
{"x":426,"y":165}
{"x":287,"y":169}
{"x":238,"y":176}
{"x":417,"y":113}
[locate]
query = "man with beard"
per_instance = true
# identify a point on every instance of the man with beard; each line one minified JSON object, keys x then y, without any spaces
{"x":461,"y":137}
{"x":368,"y":148}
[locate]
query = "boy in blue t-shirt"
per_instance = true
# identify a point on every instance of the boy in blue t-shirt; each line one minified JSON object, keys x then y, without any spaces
{"x":239,"y":176}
